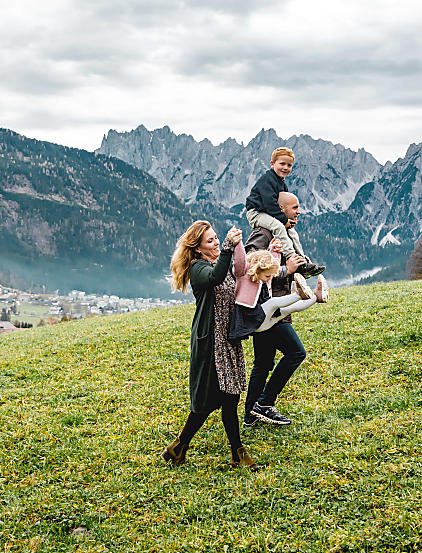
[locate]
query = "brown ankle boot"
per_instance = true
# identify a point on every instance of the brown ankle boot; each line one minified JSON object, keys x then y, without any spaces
{"x":176,"y":458}
{"x":245,"y":460}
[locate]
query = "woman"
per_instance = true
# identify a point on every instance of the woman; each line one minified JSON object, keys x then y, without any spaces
{"x":217,"y":369}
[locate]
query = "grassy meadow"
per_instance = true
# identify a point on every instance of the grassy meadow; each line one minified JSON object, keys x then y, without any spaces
{"x":87,"y":406}
{"x":31,"y":313}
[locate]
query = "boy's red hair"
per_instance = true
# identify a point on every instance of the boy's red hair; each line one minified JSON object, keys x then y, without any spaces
{"x":282,"y":152}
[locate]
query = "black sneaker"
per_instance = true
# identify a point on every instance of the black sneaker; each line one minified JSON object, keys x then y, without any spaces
{"x":269,"y":414}
{"x":250,"y":420}
{"x":310,"y":269}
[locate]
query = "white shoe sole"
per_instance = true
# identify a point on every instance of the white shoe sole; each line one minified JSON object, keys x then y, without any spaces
{"x":302,"y":287}
{"x":324,"y":288}
{"x":263,"y":418}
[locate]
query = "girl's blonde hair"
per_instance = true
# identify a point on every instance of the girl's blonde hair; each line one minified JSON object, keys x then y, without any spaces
{"x":184,"y":254}
{"x":262,"y":260}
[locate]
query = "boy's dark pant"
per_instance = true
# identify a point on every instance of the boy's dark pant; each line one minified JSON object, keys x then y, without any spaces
{"x":282,"y":337}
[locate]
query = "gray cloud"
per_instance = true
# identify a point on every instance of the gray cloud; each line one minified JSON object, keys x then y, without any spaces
{"x":163,"y":14}
{"x":69,"y":52}
{"x":44,"y":118}
{"x":36,"y":77}
{"x":120,"y":63}
{"x":234,"y":7}
{"x":117,"y":42}
{"x":369,"y":70}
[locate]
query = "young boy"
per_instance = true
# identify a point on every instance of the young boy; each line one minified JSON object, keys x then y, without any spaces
{"x":263,"y":209}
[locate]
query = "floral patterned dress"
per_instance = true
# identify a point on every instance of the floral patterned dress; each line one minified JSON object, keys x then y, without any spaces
{"x":229,"y":359}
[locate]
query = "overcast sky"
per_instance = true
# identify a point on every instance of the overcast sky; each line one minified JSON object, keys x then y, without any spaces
{"x":342,"y":70}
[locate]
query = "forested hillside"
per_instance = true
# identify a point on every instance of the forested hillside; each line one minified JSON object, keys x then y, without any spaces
{"x":74,"y":219}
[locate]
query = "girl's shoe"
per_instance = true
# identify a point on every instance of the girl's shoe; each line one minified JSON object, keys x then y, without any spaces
{"x":245,"y":460}
{"x":321,"y":290}
{"x":302,"y":287}
{"x":169,"y":454}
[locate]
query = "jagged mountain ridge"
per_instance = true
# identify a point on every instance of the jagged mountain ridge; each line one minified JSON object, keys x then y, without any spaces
{"x":325,"y":177}
{"x":391,"y":205}
{"x":67,"y":213}
{"x":388,"y":209}
{"x":358,"y":214}
{"x":380,"y":226}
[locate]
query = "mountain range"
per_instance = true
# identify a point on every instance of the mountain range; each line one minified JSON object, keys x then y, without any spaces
{"x":325,"y":176}
{"x":109,"y":220}
{"x":359,"y":216}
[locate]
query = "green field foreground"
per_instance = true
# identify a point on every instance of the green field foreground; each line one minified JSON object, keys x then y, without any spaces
{"x":87,"y":406}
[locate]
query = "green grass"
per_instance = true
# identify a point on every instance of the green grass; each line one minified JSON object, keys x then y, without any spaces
{"x":86,"y":408}
{"x":31,"y":313}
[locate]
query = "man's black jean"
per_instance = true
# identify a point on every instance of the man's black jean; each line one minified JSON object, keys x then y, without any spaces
{"x":282,"y":337}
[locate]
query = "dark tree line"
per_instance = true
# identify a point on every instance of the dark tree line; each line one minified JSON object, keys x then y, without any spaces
{"x":22,"y":324}
{"x":414,"y":265}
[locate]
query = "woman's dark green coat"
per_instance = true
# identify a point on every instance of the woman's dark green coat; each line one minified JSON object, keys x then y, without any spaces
{"x":204,"y":390}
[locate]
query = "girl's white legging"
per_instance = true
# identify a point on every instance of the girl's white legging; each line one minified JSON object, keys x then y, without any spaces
{"x":287,"y":304}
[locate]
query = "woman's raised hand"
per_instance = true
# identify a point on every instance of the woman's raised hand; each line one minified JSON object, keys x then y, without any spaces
{"x":234,"y":235}
{"x":277,"y":245}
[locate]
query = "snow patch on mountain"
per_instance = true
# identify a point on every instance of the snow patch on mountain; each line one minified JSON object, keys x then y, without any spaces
{"x":389,"y":238}
{"x":374,"y":238}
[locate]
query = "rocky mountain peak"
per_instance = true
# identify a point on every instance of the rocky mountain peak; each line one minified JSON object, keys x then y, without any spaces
{"x":325,"y":176}
{"x":414,"y":149}
{"x":390,"y":206}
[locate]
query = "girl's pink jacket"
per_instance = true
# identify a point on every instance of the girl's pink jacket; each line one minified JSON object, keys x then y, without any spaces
{"x":247,"y":291}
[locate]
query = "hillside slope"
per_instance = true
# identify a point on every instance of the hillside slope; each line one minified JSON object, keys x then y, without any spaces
{"x":87,"y":406}
{"x":66,"y":212}
{"x":74,"y":219}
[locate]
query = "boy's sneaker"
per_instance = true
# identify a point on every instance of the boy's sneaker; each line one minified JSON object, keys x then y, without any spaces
{"x":269,"y":414}
{"x":302,"y":288}
{"x":310,"y":269}
{"x":250,"y":420}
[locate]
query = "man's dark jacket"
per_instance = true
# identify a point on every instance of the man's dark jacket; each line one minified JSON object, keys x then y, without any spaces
{"x":264,"y":195}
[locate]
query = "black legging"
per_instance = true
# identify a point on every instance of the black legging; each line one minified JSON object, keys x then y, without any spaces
{"x":230,"y":420}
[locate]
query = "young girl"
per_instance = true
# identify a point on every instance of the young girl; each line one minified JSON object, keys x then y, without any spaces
{"x":255,"y":309}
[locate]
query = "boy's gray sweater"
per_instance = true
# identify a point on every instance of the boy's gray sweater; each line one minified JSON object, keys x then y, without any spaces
{"x":264,"y":195}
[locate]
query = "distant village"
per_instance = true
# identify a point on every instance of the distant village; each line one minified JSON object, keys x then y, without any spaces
{"x":20,"y":309}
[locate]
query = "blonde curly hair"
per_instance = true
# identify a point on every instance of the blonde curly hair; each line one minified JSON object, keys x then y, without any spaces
{"x":262,"y":260}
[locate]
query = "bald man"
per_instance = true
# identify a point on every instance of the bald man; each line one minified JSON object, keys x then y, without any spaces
{"x":289,"y":205}
{"x":263,"y":388}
